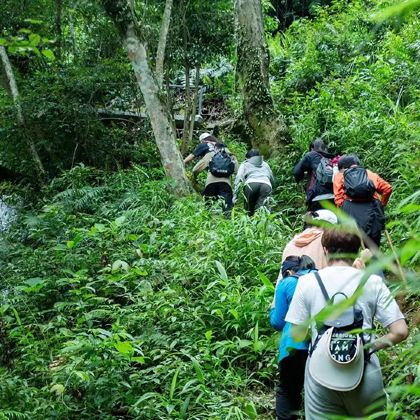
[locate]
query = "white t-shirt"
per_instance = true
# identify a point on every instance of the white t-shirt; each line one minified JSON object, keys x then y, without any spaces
{"x":376,"y":301}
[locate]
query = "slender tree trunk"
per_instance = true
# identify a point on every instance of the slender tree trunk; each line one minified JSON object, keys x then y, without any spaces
{"x":163,"y":36}
{"x":194,"y":103}
{"x":72,"y":32}
{"x":14,"y":92}
{"x":268,"y":129}
{"x":58,"y":29}
{"x":121,"y":13}
{"x":187,"y":110}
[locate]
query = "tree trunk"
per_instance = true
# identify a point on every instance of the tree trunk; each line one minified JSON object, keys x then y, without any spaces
{"x":120,"y":12}
{"x":268,"y":129}
{"x":72,"y":32}
{"x":12,"y":86}
{"x":58,"y":29}
{"x":187,"y":111}
{"x":163,"y":36}
{"x":194,"y":103}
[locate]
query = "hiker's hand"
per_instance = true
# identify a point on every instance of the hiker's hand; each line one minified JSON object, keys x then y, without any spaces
{"x":359,"y":264}
{"x":366,"y":255}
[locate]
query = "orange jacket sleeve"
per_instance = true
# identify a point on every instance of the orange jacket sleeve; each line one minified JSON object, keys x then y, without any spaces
{"x":382,"y":187}
{"x":338,"y":185}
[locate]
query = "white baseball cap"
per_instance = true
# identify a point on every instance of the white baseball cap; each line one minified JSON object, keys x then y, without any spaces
{"x":326,"y":216}
{"x":333,"y":374}
{"x":203,"y":136}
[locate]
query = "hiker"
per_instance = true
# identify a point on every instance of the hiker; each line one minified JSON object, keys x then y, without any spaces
{"x":206,"y":145}
{"x":221,"y":164}
{"x":292,"y":354}
{"x":343,"y":375}
{"x":308,"y":242}
{"x":317,"y":165}
{"x":356,"y":191}
{"x":258,"y":179}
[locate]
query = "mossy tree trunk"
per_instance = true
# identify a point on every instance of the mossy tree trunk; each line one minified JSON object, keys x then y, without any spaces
{"x":122,"y":15}
{"x":268,"y":128}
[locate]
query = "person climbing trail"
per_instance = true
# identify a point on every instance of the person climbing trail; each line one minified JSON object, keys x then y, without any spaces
{"x":356,"y":191}
{"x":343,"y":375}
{"x":292,"y":354}
{"x":221,"y":165}
{"x":308,"y":242}
{"x":258,"y":179}
{"x":317,"y":167}
{"x":206,"y":145}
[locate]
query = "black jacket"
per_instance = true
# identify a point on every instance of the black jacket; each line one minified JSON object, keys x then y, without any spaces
{"x":307,"y":165}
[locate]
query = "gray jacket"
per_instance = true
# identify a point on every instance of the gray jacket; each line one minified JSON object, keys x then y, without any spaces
{"x":253,"y":170}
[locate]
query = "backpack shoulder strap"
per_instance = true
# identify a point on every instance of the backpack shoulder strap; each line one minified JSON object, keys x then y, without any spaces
{"x":321,"y":286}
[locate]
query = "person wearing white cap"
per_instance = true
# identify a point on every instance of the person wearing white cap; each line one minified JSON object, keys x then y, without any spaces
{"x":343,"y":380}
{"x":206,"y":145}
{"x":308,"y":242}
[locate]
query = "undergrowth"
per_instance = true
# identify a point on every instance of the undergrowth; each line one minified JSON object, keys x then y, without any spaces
{"x":133,"y":304}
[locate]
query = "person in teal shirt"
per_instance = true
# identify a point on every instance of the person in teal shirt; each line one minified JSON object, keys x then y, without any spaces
{"x":292,"y":354}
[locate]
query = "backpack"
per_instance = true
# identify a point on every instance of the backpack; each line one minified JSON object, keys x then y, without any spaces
{"x":324,"y":172}
{"x":337,"y":357}
{"x":357,"y":184}
{"x":221,"y":164}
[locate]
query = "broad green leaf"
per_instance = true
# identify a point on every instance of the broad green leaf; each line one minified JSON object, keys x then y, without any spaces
{"x":266,"y":281}
{"x":173,"y":383}
{"x":124,"y":347}
{"x":198,"y":370}
{"x":34,"y":40}
{"x":48,"y":53}
{"x":58,"y":389}
{"x":221,"y":270}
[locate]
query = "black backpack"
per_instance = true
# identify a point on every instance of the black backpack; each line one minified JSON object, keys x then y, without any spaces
{"x":221,"y":164}
{"x":357,"y":184}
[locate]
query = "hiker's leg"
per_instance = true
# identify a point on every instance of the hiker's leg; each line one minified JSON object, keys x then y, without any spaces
{"x":283,"y":406}
{"x":290,"y":386}
{"x":369,"y":397}
{"x":264,"y":193}
{"x":210,"y":194}
{"x":225,"y":191}
{"x":251,"y":192}
{"x":298,"y":369}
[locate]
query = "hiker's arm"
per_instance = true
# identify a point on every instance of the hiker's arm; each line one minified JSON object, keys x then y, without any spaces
{"x":189,"y":158}
{"x":383,"y":188}
{"x":398,"y":331}
{"x":300,"y":169}
{"x":279,"y":307}
{"x":235,"y":161}
{"x":238,"y":179}
{"x":390,"y":316}
{"x":338,"y":185}
{"x":201,"y":165}
{"x":298,"y":312}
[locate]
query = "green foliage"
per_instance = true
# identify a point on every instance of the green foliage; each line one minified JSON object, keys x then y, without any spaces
{"x":340,"y":78}
{"x":120,"y":300}
{"x":156,"y":299}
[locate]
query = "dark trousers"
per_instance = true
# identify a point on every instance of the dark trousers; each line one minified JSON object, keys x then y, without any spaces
{"x":290,"y":385}
{"x":256,"y":193}
{"x":369,"y":216}
{"x":217,"y":190}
